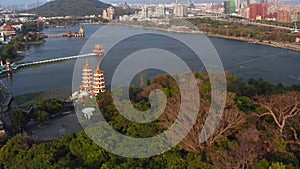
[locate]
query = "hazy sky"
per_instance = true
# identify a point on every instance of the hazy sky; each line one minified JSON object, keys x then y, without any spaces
{"x":21,"y":2}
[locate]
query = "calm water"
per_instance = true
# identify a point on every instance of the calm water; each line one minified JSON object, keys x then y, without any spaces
{"x":243,"y":59}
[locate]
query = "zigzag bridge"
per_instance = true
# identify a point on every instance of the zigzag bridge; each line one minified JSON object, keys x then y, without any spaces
{"x":9,"y":67}
{"x":53,"y":60}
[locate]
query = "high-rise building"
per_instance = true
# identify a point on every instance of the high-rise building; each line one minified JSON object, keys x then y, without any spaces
{"x":229,"y":7}
{"x":252,"y":2}
{"x":258,"y":11}
{"x":297,"y":16}
{"x":276,"y":3}
{"x":104,"y":14}
{"x":160,"y":11}
{"x":248,"y":3}
{"x":232,"y":6}
{"x":109,"y":13}
{"x":180,"y":10}
{"x":145,"y":11}
{"x":246,"y":12}
{"x":284,"y":16}
{"x":237,"y":5}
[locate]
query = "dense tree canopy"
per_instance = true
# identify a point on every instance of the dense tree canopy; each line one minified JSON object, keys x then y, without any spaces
{"x":243,"y":139}
{"x":19,"y":119}
{"x":50,"y":106}
{"x":260,"y":33}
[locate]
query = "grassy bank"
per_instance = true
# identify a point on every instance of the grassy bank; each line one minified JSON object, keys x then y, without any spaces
{"x":264,"y":35}
{"x":33,"y":98}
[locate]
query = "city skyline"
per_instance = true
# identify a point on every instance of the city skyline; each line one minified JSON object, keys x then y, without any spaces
{"x":21,"y":2}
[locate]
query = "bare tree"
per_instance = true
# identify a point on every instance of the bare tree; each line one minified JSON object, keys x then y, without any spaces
{"x":280,"y":107}
{"x":231,"y":119}
{"x":229,"y":123}
{"x":238,"y":156}
{"x":249,"y":150}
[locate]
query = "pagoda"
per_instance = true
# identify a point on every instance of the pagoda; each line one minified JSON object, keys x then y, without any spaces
{"x":99,"y":50}
{"x":99,"y":82}
{"x":80,"y":33}
{"x":87,"y":79}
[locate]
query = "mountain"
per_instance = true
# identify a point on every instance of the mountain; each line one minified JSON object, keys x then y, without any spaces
{"x":70,"y":8}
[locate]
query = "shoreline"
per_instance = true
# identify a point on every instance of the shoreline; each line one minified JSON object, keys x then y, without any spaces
{"x":33,"y":97}
{"x":20,"y":54}
{"x":7,"y":98}
{"x":281,"y":45}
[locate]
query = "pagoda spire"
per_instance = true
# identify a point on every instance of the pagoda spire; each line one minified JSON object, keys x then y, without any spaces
{"x":98,"y":66}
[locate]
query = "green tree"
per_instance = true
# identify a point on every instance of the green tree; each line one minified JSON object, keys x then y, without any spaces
{"x":17,"y":145}
{"x":8,"y":52}
{"x":51,"y":106}
{"x":42,"y":116}
{"x":277,"y":165}
{"x":19,"y":119}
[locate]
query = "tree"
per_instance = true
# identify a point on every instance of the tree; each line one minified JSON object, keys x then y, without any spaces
{"x":280,"y":107}
{"x":232,"y":118}
{"x":19,"y":144}
{"x":229,"y":123}
{"x":42,"y":116}
{"x":250,"y":148}
{"x":19,"y":119}
{"x":8,"y":52}
{"x":51,"y":106}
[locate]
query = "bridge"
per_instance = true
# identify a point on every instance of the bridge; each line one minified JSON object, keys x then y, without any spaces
{"x":56,"y":35}
{"x":79,"y":34}
{"x":53,"y":60}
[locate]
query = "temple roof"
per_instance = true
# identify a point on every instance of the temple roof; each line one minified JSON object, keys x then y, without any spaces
{"x":8,"y":27}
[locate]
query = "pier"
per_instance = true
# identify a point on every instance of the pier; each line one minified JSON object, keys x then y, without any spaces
{"x":69,"y":34}
{"x":56,"y":35}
